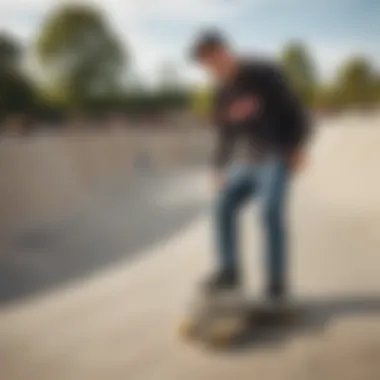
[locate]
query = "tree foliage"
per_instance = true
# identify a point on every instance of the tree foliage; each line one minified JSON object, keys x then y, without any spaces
{"x":299,"y":68}
{"x":82,"y":55}
{"x":201,"y":102}
{"x":357,"y":82}
{"x":10,"y":52}
{"x":17,"y":96}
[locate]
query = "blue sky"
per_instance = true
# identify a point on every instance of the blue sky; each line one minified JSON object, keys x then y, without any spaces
{"x":160,"y":30}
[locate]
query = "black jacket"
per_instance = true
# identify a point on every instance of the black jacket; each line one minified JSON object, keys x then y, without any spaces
{"x":281,"y":125}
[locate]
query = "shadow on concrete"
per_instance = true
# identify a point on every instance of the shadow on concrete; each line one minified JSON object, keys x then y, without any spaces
{"x":312,"y":318}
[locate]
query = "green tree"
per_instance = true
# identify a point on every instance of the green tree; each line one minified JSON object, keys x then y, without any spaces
{"x":299,"y":68}
{"x":356,"y":82}
{"x":201,"y":103}
{"x":17,"y":95}
{"x":377,"y":89}
{"x":81,"y":55}
{"x":10,"y":52}
{"x":328,"y":98}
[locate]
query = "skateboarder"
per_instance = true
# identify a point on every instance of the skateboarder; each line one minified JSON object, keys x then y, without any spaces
{"x":262,"y":129}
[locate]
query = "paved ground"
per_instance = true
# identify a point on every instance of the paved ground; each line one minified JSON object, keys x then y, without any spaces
{"x":120,"y":324}
{"x":118,"y":225}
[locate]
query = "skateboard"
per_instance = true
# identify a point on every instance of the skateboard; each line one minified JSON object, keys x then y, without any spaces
{"x":219,"y":320}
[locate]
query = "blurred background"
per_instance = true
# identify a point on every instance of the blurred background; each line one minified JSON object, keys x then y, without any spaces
{"x":97,"y":65}
{"x":105,"y":147}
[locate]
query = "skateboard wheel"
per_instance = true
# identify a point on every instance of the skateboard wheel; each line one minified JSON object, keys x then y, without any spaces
{"x":221,"y":339}
{"x":221,"y":336}
{"x":188,"y":329}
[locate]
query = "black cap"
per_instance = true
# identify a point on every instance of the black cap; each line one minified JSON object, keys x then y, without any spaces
{"x":207,"y":41}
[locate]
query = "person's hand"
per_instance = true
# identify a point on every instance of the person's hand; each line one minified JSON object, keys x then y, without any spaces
{"x":243,"y":109}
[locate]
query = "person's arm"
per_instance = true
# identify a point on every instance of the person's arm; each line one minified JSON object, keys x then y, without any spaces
{"x":292,"y":119}
{"x":223,"y":147}
{"x":224,"y":141}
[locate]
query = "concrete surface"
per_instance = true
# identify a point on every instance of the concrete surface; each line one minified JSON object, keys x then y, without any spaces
{"x":117,"y":224}
{"x":48,"y":177}
{"x":73,"y":203}
{"x":120,"y":324}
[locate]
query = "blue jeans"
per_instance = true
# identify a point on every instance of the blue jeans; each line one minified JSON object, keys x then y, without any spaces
{"x":268,"y":181}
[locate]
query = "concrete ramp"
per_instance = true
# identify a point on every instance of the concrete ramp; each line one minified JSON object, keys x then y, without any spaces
{"x":47,"y":178}
{"x":39,"y":182}
{"x":121,"y":324}
{"x":74,"y":203}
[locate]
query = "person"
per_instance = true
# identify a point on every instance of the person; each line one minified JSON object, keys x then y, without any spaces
{"x":262,"y":128}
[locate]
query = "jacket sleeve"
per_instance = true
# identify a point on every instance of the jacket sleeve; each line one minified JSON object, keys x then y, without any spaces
{"x":292,"y":119}
{"x":224,"y":139}
{"x":224,"y":146}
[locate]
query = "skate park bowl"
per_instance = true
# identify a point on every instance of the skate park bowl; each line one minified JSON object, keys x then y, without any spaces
{"x":90,"y":197}
{"x":105,"y":235}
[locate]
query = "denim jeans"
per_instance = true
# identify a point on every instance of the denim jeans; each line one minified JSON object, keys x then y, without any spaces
{"x":268,"y":182}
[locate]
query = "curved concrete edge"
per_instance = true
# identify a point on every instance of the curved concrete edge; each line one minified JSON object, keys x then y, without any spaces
{"x":154,"y":261}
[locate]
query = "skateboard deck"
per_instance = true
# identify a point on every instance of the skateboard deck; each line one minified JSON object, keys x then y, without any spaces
{"x":220,"y":320}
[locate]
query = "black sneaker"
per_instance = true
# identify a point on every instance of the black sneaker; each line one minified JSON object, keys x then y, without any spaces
{"x":222,"y":281}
